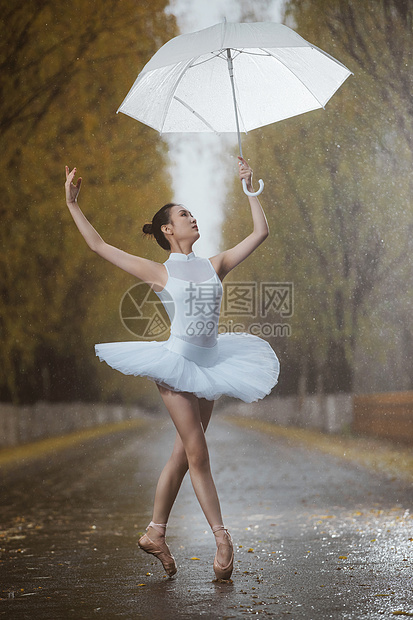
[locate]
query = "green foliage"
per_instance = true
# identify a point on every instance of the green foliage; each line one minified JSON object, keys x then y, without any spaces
{"x":65,"y":68}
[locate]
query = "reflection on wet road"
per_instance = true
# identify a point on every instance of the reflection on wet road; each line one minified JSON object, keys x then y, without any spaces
{"x":315,"y":537}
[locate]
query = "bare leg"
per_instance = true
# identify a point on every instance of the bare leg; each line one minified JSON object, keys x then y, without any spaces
{"x":184,"y":410}
{"x":175,"y":469}
{"x":167,"y":489}
{"x":190,"y":416}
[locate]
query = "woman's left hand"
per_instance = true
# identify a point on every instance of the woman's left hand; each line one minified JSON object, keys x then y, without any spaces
{"x":245,"y":172}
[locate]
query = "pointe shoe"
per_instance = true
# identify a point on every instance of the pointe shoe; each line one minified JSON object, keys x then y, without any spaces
{"x":160,"y":550}
{"x":224,"y":572}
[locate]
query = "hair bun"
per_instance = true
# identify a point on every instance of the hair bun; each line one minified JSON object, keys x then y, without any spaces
{"x":147,"y":229}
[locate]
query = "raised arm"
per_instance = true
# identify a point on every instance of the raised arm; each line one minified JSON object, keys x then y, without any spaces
{"x":149,"y":271}
{"x":227,"y":260}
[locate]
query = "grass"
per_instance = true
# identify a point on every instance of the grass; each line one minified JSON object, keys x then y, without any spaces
{"x":379,"y":455}
{"x":39,"y":449}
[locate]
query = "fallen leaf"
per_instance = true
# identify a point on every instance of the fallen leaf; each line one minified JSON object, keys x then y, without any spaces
{"x":194,"y":558}
{"x":382,"y":595}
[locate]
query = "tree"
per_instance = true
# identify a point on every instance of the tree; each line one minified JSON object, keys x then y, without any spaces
{"x":338,"y":192}
{"x":65,"y":70}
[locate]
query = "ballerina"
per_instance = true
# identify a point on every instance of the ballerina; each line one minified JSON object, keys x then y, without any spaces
{"x":196,"y":365}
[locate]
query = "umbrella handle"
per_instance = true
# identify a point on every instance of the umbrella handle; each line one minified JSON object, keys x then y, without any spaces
{"x":244,"y":187}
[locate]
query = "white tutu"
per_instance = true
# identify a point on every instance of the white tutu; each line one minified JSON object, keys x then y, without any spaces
{"x":195,"y":358}
{"x":245,"y":366}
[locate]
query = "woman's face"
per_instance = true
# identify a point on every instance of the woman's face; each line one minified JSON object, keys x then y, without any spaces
{"x":184,"y":224}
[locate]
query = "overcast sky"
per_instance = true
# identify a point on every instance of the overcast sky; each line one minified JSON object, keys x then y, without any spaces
{"x":201,"y":164}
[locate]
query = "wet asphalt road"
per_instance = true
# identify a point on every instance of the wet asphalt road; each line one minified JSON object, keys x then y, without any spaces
{"x":315,"y":537}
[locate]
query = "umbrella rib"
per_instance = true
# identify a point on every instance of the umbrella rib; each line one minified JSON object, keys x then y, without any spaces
{"x":244,"y":51}
{"x":172,"y":95}
{"x":331,"y":58}
{"x":190,"y":65}
{"x":296,"y":76}
{"x":188,"y":107}
{"x":214,"y":55}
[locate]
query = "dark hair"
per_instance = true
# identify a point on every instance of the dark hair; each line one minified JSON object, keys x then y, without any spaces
{"x":160,"y":218}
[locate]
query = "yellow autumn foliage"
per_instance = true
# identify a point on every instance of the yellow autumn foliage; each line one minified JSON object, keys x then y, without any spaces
{"x":338,"y":201}
{"x":65,"y":69}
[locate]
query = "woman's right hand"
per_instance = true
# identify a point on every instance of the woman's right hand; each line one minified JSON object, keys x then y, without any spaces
{"x":72,"y":191}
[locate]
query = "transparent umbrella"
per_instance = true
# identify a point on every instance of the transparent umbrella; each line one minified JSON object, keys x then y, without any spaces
{"x":232,"y":77}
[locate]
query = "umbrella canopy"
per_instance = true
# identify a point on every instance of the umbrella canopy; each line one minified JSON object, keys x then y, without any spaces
{"x":232,"y":78}
{"x":277,"y":74}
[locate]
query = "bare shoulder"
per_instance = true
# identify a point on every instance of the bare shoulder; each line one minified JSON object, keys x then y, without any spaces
{"x":217,"y":262}
{"x":153,"y":273}
{"x":225,"y":261}
{"x":149,"y":271}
